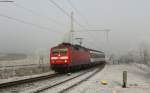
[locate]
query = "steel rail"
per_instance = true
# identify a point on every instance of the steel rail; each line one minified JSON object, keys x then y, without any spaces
{"x":32,"y":79}
{"x":76,"y":84}
{"x":64,"y":81}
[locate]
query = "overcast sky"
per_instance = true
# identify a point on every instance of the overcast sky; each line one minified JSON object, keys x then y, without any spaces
{"x":128,"y":20}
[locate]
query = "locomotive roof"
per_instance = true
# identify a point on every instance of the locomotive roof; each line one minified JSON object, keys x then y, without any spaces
{"x":75,"y":46}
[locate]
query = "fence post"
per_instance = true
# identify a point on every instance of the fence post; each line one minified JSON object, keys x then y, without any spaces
{"x":124,"y":79}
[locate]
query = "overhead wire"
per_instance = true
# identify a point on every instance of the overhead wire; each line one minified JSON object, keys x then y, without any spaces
{"x":6,"y":1}
{"x":60,"y":8}
{"x":28,"y":23}
{"x":36,"y":13}
{"x":77,"y":11}
{"x":66,"y":13}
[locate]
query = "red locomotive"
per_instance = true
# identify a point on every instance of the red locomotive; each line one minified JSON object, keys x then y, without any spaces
{"x":66,"y":56}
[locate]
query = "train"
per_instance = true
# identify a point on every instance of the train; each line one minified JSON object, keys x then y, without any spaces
{"x":66,"y":57}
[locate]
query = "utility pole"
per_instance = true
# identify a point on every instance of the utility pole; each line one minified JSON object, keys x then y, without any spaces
{"x":107,"y":31}
{"x":71,"y":28}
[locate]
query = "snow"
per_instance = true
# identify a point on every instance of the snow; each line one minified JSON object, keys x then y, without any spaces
{"x":15,"y":65}
{"x":143,"y":67}
{"x":53,"y":81}
{"x":138,"y":81}
{"x":70,"y":83}
{"x":24,"y":77}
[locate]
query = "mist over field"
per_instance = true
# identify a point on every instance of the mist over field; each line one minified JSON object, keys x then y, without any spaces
{"x":127,"y":20}
{"x":75,"y":46}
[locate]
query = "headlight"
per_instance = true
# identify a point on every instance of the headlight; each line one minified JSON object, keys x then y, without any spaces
{"x":64,"y":57}
{"x":65,"y":61}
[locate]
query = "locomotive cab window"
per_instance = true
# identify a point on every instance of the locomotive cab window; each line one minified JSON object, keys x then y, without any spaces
{"x":55,"y":52}
{"x":62,"y":52}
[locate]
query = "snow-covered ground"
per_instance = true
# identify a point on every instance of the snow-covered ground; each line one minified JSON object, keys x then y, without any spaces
{"x":14,"y":65}
{"x":30,"y":60}
{"x":24,"y":77}
{"x":33,"y":86}
{"x":23,"y":71}
{"x":138,"y":81}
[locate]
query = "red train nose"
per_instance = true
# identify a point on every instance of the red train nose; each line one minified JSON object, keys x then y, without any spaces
{"x":59,"y":60}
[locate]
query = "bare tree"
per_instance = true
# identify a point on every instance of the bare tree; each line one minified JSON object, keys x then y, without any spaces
{"x":145,"y":53}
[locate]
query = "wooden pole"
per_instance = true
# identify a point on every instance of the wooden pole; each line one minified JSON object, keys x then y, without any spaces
{"x":124,"y":79}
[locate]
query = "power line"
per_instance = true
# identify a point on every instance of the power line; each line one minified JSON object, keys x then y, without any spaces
{"x":25,"y":22}
{"x":60,"y":8}
{"x":35,"y":13}
{"x":77,"y":11}
{"x":97,"y":30}
{"x":6,"y":1}
{"x":66,"y":13}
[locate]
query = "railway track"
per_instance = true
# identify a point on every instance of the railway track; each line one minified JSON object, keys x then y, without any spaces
{"x":43,"y":83}
{"x":74,"y":85}
{"x":27,"y":80}
{"x":57,"y":87}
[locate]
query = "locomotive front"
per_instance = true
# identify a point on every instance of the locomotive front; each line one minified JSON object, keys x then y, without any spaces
{"x":59,"y":58}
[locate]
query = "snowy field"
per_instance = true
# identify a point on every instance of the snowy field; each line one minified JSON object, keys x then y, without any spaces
{"x":6,"y":62}
{"x":138,"y":80}
{"x":14,"y":65}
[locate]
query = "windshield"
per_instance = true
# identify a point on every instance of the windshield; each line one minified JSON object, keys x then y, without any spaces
{"x":62,"y":52}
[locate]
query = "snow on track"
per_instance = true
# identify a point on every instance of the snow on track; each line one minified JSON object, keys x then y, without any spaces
{"x":49,"y":82}
{"x":24,"y":77}
{"x":65,"y":85}
{"x":138,"y":81}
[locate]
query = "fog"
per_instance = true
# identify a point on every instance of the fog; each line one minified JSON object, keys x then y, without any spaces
{"x":128,"y":21}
